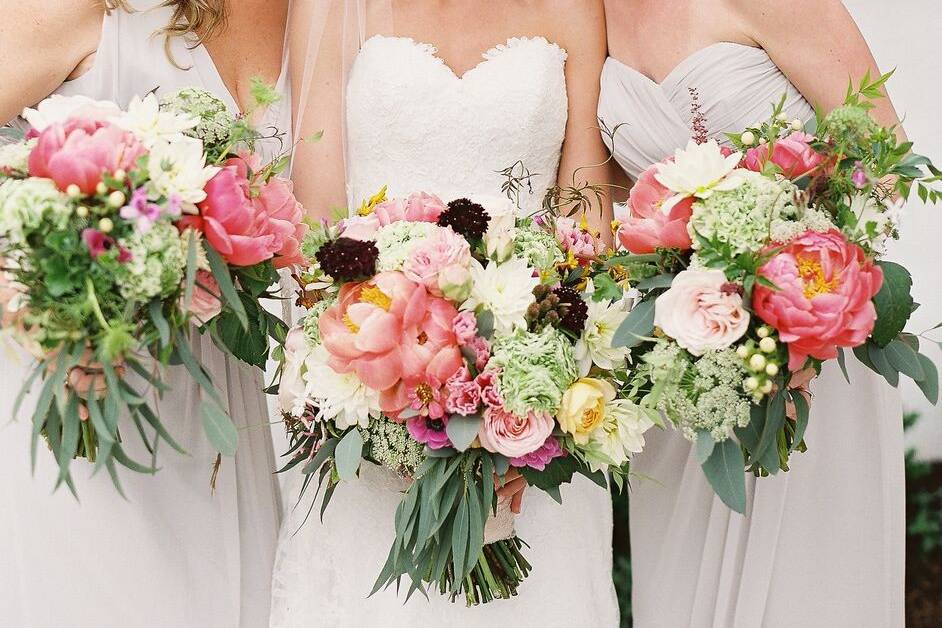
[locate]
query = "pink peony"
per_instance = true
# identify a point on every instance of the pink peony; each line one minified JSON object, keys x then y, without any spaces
{"x":541,"y":457}
{"x":465,"y":326}
{"x":390,"y":331}
{"x":230,"y":221}
{"x":793,"y":154}
{"x":574,"y":239}
{"x":488,"y":381}
{"x":514,"y":436}
{"x":823,"y":298}
{"x":78,"y":152}
{"x":204,"y":303}
{"x":702,"y":311}
{"x":275,"y":201}
{"x":647,"y":227}
{"x":441,"y":250}
{"x":429,"y":431}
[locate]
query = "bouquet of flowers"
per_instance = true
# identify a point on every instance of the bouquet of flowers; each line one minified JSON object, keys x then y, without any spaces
{"x":756,"y":265}
{"x":458,"y":346}
{"x":118,"y":228}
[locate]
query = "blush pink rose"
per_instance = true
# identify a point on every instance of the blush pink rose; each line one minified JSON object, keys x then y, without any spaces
{"x":78,"y":152}
{"x":793,"y":154}
{"x":229,"y":219}
{"x":514,"y":436}
{"x":441,"y":250}
{"x":204,"y":302}
{"x":275,"y":201}
{"x":702,"y":311}
{"x":647,"y":227}
{"x":823,"y":298}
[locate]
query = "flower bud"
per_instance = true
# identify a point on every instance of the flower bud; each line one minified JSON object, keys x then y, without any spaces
{"x":748,"y":138}
{"x":797,"y":125}
{"x":101,"y":188}
{"x":763,"y":332}
{"x":766,"y":386}
{"x":757,"y":362}
{"x":455,"y":282}
{"x":73,"y":191}
{"x":81,"y":211}
{"x":105,"y":225}
{"x":743,"y":351}
{"x":120,"y":175}
{"x":771,"y":369}
{"x":767,"y":345}
{"x":116,"y":199}
{"x":751,"y":384}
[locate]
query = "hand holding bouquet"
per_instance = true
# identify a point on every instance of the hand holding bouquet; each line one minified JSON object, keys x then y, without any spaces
{"x":452,"y":344}
{"x":759,"y":263}
{"x":117,"y":229}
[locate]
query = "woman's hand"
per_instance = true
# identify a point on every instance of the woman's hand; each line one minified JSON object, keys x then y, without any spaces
{"x":513,"y":486}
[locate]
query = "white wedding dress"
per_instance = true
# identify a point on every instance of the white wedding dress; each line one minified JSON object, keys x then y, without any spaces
{"x":414,"y":125}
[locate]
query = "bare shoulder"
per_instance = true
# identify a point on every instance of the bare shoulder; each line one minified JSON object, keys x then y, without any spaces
{"x":764,"y":17}
{"x":576,"y":24}
{"x":47,"y":18}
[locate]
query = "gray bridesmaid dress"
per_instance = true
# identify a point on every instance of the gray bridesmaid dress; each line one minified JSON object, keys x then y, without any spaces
{"x":819,"y":546}
{"x":174,"y":553}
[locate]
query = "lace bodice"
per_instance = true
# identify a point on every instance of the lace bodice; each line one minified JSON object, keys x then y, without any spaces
{"x":414,"y":125}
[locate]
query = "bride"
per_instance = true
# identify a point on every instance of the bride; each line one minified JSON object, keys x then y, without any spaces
{"x":432,"y":96}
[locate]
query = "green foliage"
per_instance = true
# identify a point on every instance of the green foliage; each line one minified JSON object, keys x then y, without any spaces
{"x":894,"y":303}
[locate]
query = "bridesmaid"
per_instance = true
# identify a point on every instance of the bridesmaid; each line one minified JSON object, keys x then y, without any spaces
{"x":821,"y":545}
{"x":174,"y":553}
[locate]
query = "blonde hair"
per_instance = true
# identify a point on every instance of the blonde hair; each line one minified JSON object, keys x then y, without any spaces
{"x":202,"y":18}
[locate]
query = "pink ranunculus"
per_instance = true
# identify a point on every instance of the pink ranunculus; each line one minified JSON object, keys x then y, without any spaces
{"x":702,"y":311}
{"x":488,"y":381}
{"x":204,"y":302}
{"x":429,"y":431}
{"x":573,"y":239}
{"x":230,"y":221}
{"x":647,"y":227}
{"x":78,"y":152}
{"x":465,"y":327}
{"x":822,"y":301}
{"x":514,"y":436}
{"x":275,"y":201}
{"x":541,"y":457}
{"x":442,"y":249}
{"x":418,"y":207}
{"x":793,"y":154}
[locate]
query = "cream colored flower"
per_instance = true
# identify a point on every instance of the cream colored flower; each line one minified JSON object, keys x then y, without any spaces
{"x":506,"y":290}
{"x":698,"y":171}
{"x":582,"y":411}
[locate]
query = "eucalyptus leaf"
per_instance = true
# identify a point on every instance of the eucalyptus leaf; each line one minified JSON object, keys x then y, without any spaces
{"x":459,"y":537}
{"x":220,"y":272}
{"x":348,"y":454}
{"x":637,"y":326}
{"x":658,"y":281}
{"x":724,"y":470}
{"x":880,"y":360}
{"x":485,"y":321}
{"x":190,"y":277}
{"x":803,"y":414}
{"x":462,"y":430}
{"x":894,"y":303}
{"x":220,"y":430}
{"x":905,"y":360}
{"x":704,"y":446}
{"x":842,"y":362}
{"x":929,"y":385}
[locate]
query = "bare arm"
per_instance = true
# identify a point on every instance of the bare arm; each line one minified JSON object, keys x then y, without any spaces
{"x":41,"y":44}
{"x":821,"y":56}
{"x":583,"y":151}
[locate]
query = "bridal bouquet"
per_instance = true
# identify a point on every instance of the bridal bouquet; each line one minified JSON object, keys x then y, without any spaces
{"x":759,"y":263}
{"x":458,"y":346}
{"x":118,"y":228}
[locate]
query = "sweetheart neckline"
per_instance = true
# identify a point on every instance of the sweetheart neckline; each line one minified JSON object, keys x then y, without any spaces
{"x":431,"y":51}
{"x":696,"y":54}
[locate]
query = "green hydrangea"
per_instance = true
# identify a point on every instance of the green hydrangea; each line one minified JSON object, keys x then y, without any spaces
{"x":397,"y":240}
{"x":705,"y":395}
{"x":536,"y":369}
{"x":14,"y":157}
{"x":850,"y":123}
{"x":390,"y":445}
{"x":316,"y":237}
{"x":312,"y":332}
{"x":742,"y":217}
{"x":28,"y":204}
{"x":539,"y":248}
{"x":215,"y":119}
{"x":158,"y":262}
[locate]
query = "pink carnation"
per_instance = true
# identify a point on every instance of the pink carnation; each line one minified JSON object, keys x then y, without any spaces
{"x":488,"y":382}
{"x":466,"y":328}
{"x":514,"y":436}
{"x":482,"y":352}
{"x":793,"y":154}
{"x":464,"y":396}
{"x":822,"y":300}
{"x":647,"y":227}
{"x":541,"y":457}
{"x":78,"y":152}
{"x":573,"y":239}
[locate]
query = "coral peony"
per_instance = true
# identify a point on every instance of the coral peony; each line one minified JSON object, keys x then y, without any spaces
{"x":204,"y":302}
{"x":824,"y":286}
{"x":702,"y":311}
{"x":276,"y":202}
{"x":78,"y":152}
{"x":514,"y":436}
{"x":793,"y":154}
{"x":647,"y":227}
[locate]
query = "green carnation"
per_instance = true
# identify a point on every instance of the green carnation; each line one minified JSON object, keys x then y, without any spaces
{"x":536,"y":369}
{"x":215,"y":121}
{"x":158,"y":262}
{"x":539,"y":248}
{"x":850,"y":123}
{"x":396,"y":241}
{"x":741,"y":217}
{"x":28,"y":204}
{"x":312,"y":332}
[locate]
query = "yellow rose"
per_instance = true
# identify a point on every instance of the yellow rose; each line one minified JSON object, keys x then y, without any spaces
{"x":583,"y":407}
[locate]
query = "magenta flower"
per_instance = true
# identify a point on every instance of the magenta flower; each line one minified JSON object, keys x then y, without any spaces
{"x":141,"y":211}
{"x":428,"y":431}
{"x":97,"y":242}
{"x":859,"y":176}
{"x":541,"y":457}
